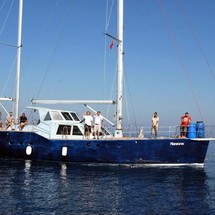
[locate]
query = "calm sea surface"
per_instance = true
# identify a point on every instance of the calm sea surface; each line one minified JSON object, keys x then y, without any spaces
{"x":53,"y":188}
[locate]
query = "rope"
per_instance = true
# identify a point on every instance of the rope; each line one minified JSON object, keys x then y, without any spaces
{"x":3,"y":26}
{"x":6,"y":16}
{"x":131,"y":103}
{"x":112,"y":90}
{"x":9,"y":75}
{"x":179,"y":55}
{"x":2,"y":6}
{"x":108,"y":17}
{"x":55,"y":47}
{"x":107,"y":21}
{"x":196,"y":38}
{"x":34,"y":50}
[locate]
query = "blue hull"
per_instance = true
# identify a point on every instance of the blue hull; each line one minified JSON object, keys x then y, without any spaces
{"x":121,"y":151}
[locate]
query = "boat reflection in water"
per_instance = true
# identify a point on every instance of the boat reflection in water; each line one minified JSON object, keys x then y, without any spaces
{"x":67,"y":188}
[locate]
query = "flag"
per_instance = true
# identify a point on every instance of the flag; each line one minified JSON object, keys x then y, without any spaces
{"x":111,"y":45}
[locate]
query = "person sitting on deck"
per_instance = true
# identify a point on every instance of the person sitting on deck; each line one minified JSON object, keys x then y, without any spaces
{"x":9,"y":121}
{"x":23,"y":121}
{"x":1,"y":123}
{"x":1,"y":126}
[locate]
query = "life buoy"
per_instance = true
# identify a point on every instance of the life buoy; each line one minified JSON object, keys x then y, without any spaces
{"x":28,"y":150}
{"x":64,"y":151}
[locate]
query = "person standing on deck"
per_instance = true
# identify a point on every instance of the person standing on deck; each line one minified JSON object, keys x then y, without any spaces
{"x":88,"y":119}
{"x":98,"y":120}
{"x":185,"y":121}
{"x":154,"y":129}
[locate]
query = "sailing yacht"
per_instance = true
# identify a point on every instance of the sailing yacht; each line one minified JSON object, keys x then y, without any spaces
{"x":59,"y":134}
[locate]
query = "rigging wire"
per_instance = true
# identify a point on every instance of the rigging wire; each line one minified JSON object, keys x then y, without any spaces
{"x":9,"y":75}
{"x":172,"y":35}
{"x":108,"y":17}
{"x":112,"y":89}
{"x":35,"y":49}
{"x":196,"y":38}
{"x":7,"y":44}
{"x":55,"y":47}
{"x":107,"y":21}
{"x":5,"y":21}
{"x":131,"y":103}
{"x":3,"y":26}
{"x":2,"y":5}
{"x":105,"y":52}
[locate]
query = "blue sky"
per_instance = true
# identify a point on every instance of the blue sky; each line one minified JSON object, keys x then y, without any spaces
{"x":65,"y":55}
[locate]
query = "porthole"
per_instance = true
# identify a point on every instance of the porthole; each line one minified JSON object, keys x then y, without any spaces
{"x":108,"y":145}
{"x":119,"y":146}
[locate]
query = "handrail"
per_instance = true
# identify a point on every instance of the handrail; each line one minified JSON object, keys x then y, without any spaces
{"x":166,"y":131}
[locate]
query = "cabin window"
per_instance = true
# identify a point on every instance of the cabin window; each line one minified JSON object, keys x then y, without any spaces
{"x":75,"y":117}
{"x":56,"y":115}
{"x":67,"y":116}
{"x":64,"y":130}
{"x":76,"y":130}
{"x":47,"y":117}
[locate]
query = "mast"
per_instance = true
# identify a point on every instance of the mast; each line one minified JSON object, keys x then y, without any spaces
{"x":19,"y":45}
{"x":119,"y":127}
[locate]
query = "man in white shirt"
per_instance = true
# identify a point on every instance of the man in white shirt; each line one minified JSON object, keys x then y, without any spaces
{"x":88,"y":119}
{"x":98,"y":121}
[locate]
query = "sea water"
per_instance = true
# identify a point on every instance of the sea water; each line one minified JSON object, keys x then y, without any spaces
{"x":29,"y":187}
